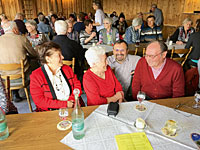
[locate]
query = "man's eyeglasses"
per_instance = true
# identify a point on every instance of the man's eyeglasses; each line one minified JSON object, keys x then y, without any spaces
{"x":120,"y":50}
{"x":152,"y":56}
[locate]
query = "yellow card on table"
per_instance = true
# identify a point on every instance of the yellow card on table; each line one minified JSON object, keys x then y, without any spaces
{"x":133,"y":141}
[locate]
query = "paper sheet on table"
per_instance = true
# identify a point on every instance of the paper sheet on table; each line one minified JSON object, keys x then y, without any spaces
{"x":133,"y":141}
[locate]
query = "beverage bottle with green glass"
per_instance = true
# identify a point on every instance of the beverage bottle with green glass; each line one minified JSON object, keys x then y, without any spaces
{"x":77,"y":118}
{"x":3,"y":125}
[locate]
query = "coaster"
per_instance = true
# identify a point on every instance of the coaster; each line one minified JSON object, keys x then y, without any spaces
{"x":196,"y":138}
{"x":166,"y":132}
{"x":140,"y":108}
{"x":64,"y":125}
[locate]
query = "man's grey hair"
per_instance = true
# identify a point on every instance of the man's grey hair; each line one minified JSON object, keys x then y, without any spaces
{"x":136,"y":22}
{"x":61,"y":27}
{"x":186,"y":20}
{"x":68,"y":21}
{"x":9,"y":26}
{"x":41,"y":18}
{"x":93,"y":55}
{"x":153,"y":6}
{"x":19,"y":16}
{"x":32,"y":23}
{"x":108,"y":19}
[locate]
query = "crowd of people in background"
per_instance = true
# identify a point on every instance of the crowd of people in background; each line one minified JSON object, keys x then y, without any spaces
{"x":50,"y":39}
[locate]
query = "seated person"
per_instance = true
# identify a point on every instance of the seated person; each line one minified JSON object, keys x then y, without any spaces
{"x":99,"y":82}
{"x":33,"y":35}
{"x":159,"y":77}
{"x":144,"y":23}
{"x":121,"y":25}
{"x":151,"y":32}
{"x":87,"y":36}
{"x":182,"y":34}
{"x":52,"y":85}
{"x":79,"y":25}
{"x":71,"y":34}
{"x":194,"y":41}
{"x":132,"y":34}
{"x":123,"y":63}
{"x":108,"y":35}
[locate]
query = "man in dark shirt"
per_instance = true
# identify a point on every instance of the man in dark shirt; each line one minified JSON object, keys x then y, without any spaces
{"x":69,"y":48}
{"x":20,"y":24}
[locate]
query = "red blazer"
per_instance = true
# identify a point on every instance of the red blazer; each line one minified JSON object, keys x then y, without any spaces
{"x":42,"y":90}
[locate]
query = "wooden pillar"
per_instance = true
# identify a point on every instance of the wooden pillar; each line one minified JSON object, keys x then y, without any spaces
{"x":50,"y":6}
{"x":1,"y":7}
{"x":56,"y":6}
{"x":61,"y":4}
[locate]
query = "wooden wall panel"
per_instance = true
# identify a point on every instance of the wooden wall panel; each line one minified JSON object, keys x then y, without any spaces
{"x":175,"y":11}
{"x":11,"y":7}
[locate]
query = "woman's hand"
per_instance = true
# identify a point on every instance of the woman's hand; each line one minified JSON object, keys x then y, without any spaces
{"x":119,"y":96}
{"x":70,"y":104}
{"x":179,"y":42}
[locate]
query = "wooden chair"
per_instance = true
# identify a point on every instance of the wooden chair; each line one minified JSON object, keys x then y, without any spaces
{"x":143,"y":52}
{"x":70,"y":63}
{"x":185,"y":52}
{"x":24,"y":84}
{"x":7,"y":86}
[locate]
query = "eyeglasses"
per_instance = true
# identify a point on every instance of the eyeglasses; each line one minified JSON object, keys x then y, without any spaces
{"x":120,"y":50}
{"x":152,"y":56}
{"x":106,"y":23}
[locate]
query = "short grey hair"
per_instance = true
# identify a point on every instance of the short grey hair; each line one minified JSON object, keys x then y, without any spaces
{"x":108,"y":19}
{"x":19,"y":16}
{"x":186,"y":21}
{"x":32,"y":23}
{"x":9,"y":26}
{"x":61,"y":27}
{"x":68,"y":21}
{"x":136,"y":22}
{"x":93,"y":55}
{"x":41,"y":18}
{"x":153,"y":6}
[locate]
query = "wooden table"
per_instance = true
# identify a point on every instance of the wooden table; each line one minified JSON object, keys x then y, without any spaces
{"x":38,"y":130}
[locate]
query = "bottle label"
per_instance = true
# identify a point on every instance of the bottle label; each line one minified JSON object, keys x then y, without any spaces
{"x":3,"y":126}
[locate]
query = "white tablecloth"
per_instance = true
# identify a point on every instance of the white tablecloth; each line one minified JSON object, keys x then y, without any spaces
{"x":101,"y":129}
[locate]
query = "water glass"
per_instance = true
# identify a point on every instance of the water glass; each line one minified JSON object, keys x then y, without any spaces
{"x":63,"y":113}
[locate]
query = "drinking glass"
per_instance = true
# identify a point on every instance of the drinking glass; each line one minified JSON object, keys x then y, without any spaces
{"x":141,"y":97}
{"x":63,"y":113}
{"x":197,"y":100}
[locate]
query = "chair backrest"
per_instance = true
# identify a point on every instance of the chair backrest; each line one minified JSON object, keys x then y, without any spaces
{"x":7,"y":86}
{"x":10,"y":67}
{"x":182,"y":59}
{"x":143,"y":52}
{"x":70,"y":63}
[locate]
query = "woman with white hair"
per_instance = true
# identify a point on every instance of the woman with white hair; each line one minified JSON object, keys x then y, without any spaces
{"x":33,"y":35}
{"x":182,"y":34}
{"x":108,"y":35}
{"x":132,"y":34}
{"x":99,"y":82}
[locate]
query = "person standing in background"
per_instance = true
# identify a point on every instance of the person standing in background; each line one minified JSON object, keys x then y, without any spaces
{"x":99,"y":16}
{"x":159,"y":19}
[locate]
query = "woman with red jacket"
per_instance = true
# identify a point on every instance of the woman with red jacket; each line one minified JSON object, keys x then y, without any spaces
{"x":52,"y":85}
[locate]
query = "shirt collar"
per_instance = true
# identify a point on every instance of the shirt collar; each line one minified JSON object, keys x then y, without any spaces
{"x":161,"y":67}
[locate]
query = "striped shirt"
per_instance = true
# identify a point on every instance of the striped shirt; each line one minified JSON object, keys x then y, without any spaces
{"x":84,"y":35}
{"x":151,"y":34}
